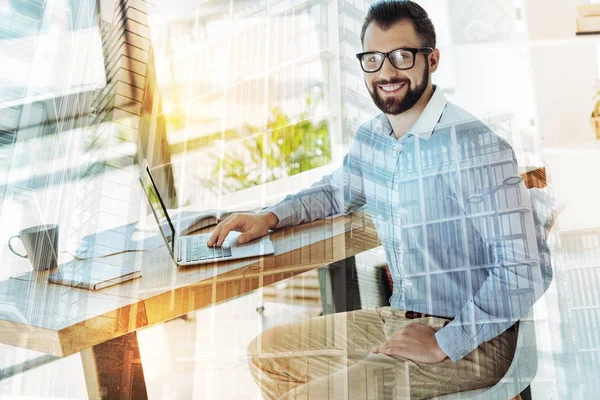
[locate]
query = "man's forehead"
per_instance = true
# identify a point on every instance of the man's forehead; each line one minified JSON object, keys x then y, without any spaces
{"x":401,"y":34}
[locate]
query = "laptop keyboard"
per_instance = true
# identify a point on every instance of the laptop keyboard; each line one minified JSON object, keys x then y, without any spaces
{"x":197,"y":250}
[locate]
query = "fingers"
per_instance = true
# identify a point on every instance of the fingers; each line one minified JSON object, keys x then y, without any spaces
{"x":394,"y":352}
{"x":215,"y":235}
{"x":381,"y":347}
{"x":391,"y":347}
{"x":386,"y":348}
{"x":239,"y":223}
{"x":247,"y":236}
{"x":243,"y":223}
{"x":228,"y":227}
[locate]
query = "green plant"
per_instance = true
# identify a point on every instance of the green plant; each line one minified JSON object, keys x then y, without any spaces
{"x":285,"y":148}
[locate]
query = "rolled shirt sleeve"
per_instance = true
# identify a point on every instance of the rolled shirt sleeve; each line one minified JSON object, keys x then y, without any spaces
{"x":338,"y":193}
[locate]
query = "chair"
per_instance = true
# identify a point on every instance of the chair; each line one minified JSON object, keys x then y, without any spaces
{"x":520,"y":374}
{"x":515,"y":382}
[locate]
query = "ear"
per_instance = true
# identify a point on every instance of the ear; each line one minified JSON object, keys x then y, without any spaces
{"x":434,"y":60}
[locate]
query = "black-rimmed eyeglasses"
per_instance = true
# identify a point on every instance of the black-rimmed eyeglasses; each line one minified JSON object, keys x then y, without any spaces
{"x":402,"y":59}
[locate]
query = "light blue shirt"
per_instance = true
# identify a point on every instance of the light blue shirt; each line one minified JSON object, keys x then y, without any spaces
{"x":458,"y":232}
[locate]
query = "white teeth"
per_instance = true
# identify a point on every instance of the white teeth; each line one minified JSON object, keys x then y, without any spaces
{"x":390,"y":88}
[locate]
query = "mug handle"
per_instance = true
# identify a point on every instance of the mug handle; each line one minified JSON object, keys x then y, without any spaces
{"x":13,"y":250}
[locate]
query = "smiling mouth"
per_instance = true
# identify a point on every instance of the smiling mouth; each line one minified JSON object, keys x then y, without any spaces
{"x":392,"y":88}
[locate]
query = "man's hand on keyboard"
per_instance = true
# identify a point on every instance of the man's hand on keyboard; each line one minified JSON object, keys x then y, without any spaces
{"x":251,"y":225}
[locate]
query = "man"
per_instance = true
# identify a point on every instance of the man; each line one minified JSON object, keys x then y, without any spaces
{"x":454,"y":218}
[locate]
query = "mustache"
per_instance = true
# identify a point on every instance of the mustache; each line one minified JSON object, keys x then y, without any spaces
{"x":393,"y":81}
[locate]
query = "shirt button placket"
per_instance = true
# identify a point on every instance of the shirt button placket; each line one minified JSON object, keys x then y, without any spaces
{"x":398,"y":147}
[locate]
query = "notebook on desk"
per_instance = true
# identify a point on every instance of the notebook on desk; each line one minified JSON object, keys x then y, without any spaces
{"x":94,"y":274}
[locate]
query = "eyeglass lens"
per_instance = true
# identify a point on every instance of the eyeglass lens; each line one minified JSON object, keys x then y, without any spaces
{"x":400,"y":59}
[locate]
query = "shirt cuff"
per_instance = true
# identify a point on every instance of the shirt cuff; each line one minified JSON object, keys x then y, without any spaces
{"x":283,"y":212}
{"x":453,"y":341}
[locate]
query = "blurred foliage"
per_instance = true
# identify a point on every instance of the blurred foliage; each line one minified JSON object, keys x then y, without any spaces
{"x":287,"y":148}
{"x":596,"y":110}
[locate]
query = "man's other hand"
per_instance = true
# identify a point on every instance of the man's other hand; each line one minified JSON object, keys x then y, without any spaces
{"x":252,"y":226}
{"x":414,"y":342}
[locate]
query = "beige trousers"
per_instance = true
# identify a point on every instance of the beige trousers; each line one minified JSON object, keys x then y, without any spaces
{"x":329,"y":358}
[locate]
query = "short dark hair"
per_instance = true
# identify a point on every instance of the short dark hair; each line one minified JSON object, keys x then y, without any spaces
{"x":386,"y":13}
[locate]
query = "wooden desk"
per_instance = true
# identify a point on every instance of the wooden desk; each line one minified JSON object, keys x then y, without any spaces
{"x":61,"y":320}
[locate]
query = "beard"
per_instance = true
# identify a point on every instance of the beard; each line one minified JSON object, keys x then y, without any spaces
{"x":399,"y":105}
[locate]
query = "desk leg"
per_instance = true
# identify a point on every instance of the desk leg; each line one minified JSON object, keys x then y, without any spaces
{"x":113,"y":370}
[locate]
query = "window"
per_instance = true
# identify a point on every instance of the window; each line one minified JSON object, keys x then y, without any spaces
{"x":351,"y":82}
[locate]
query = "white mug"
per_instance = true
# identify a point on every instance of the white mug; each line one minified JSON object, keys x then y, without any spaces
{"x":41,"y":246}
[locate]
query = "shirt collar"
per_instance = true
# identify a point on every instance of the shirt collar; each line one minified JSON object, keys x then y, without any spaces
{"x":428,"y":120}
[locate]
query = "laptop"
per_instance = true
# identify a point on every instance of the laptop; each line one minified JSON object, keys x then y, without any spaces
{"x":192,"y":249}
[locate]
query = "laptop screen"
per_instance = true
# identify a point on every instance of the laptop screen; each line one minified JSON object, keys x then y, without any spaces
{"x":159,"y":209}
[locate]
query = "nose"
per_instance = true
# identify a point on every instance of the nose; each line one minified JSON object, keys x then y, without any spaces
{"x":387,"y":69}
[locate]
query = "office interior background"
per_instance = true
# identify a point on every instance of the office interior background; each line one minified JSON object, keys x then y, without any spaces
{"x":236,"y":104}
